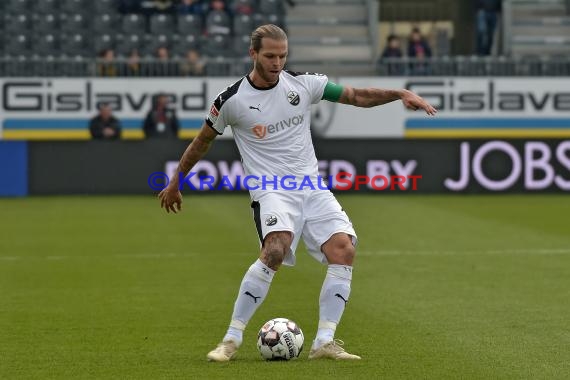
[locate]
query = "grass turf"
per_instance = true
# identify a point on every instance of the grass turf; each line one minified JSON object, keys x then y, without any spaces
{"x":444,"y":287}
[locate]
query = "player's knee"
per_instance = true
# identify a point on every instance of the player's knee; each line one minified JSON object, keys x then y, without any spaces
{"x":275,"y":247}
{"x":342,"y":252}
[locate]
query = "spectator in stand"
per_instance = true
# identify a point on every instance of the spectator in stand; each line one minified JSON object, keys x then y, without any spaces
{"x":193,"y":65}
{"x":161,"y":120}
{"x":243,"y":7}
{"x":191,"y":7}
{"x":487,"y":15}
{"x":133,"y":64}
{"x":105,"y":126}
{"x":419,"y":49}
{"x":107,"y":67}
{"x":164,"y":67}
{"x":392,"y":51}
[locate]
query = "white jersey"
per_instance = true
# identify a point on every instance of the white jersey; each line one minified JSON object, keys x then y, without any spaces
{"x":271,"y":126}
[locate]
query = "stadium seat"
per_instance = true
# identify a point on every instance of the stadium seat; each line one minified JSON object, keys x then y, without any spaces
{"x":185,"y":43}
{"x":73,"y":23}
{"x":46,"y":6}
{"x":241,"y":45}
{"x":75,"y":45}
{"x":45,"y":24}
{"x":105,"y":6}
{"x":18,"y":45}
{"x":274,"y":18}
{"x":105,"y":23}
{"x":128,"y":43}
{"x":76,"y":6}
{"x":190,"y":25}
{"x":258,"y":20}
{"x":243,"y":24}
{"x":217,"y":45}
{"x":161,"y":24}
{"x":134,"y":24}
{"x":16,"y":24}
{"x":45,"y":45}
{"x":218,"y":22}
{"x":103,"y":42}
{"x":16,"y":6}
{"x":271,"y":7}
{"x":155,"y":42}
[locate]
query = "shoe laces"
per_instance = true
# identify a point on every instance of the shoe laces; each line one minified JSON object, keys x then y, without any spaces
{"x":337,"y":345}
{"x":224,"y":348}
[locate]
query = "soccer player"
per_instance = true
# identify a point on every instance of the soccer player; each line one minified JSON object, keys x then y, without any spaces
{"x":269,"y":113}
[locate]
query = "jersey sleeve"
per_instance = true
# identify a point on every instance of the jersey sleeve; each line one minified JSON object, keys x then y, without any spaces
{"x":218,"y":116}
{"x":316,"y":85}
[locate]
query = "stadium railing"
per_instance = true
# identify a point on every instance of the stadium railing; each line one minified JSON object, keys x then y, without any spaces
{"x":437,"y":66}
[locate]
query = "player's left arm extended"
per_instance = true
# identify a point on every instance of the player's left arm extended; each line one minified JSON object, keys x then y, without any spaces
{"x":372,"y":97}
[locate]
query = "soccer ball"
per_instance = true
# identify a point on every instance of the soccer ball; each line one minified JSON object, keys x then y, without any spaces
{"x":280,"y":339}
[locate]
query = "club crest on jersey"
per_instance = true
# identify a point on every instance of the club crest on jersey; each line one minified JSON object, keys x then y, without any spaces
{"x":214,"y":113}
{"x":271,"y":220}
{"x":293,"y":98}
{"x":259,"y":131}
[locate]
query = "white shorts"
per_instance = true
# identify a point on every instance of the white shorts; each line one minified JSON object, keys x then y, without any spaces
{"x":314,"y":215}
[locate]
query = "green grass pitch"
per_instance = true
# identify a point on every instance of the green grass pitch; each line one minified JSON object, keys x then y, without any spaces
{"x":444,"y":287}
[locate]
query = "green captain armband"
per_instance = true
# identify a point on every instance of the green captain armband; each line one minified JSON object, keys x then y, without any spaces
{"x":332,"y":92}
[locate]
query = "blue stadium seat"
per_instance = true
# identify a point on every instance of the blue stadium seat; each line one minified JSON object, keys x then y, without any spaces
{"x":190,"y":25}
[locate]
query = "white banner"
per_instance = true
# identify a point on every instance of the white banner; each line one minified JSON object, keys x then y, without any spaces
{"x":468,"y":107}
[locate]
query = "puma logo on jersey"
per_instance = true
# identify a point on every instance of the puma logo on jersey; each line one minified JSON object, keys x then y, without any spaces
{"x":260,"y":131}
{"x":255,"y":108}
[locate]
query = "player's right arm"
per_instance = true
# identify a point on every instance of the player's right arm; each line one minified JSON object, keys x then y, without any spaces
{"x":170,"y":197}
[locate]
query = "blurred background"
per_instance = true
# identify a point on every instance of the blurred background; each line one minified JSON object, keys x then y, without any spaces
{"x":99,"y":99}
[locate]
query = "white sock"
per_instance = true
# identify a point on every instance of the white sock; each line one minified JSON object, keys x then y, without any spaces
{"x":333,"y":300}
{"x":252,"y":292}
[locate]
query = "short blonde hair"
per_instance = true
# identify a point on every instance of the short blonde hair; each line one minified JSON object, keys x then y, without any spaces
{"x":269,"y":31}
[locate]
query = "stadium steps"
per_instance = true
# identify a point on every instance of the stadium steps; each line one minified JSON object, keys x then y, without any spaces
{"x":537,"y":27}
{"x":329,"y":30}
